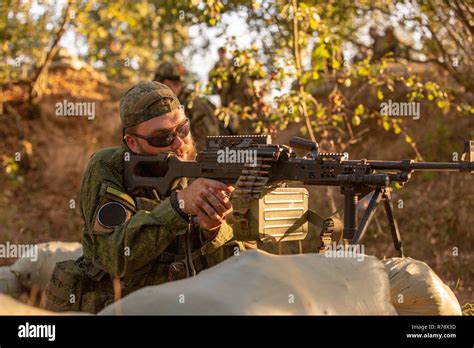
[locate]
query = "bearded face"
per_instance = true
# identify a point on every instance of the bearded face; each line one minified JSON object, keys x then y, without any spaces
{"x":187,"y":151}
{"x":171,"y":131}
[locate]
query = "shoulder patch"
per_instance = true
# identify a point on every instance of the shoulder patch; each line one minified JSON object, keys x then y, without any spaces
{"x":117,"y":195}
{"x":121,"y":195}
{"x":114,"y":209}
{"x":112,"y":215}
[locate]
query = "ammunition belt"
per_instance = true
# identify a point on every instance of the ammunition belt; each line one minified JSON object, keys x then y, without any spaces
{"x":249,"y":186}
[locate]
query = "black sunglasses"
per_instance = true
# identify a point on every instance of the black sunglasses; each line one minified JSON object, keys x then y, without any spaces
{"x":165,"y":139}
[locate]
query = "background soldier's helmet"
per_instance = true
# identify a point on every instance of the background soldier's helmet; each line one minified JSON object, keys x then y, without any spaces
{"x":144,"y":101}
{"x":169,"y":71}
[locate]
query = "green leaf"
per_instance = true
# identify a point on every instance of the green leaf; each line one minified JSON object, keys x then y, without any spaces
{"x":356,"y":120}
{"x":320,"y":113}
{"x":396,"y":129}
{"x":398,"y":186}
{"x":337,"y":118}
{"x":321,"y":52}
{"x":359,"y":110}
{"x":379,"y":94}
{"x":363,"y":71}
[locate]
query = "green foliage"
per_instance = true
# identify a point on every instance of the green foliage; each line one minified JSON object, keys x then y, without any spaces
{"x":297,"y":56}
{"x":124,"y":38}
{"x":337,"y":117}
{"x":11,"y":168}
{"x":24,"y":37}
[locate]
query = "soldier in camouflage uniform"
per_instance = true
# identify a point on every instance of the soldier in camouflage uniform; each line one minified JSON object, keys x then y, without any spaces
{"x":199,"y":110}
{"x":239,"y":92}
{"x":384,"y":44}
{"x":136,"y":239}
{"x":217,"y":71}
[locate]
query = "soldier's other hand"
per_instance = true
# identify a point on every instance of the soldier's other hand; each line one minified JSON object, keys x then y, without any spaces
{"x":206,"y":199}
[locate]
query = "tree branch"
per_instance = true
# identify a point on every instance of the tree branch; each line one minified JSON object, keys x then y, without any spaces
{"x":461,"y":15}
{"x":42,"y":70}
{"x":296,"y":54}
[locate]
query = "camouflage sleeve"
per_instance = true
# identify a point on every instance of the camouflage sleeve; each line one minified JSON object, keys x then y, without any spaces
{"x":224,"y":235}
{"x":222,"y":246}
{"x":142,"y":235}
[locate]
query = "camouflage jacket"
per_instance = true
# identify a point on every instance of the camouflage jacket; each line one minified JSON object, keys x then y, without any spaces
{"x":133,"y":251}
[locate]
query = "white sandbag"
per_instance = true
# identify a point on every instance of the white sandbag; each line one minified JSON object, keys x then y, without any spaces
{"x":9,"y":283}
{"x":415,"y":289}
{"x":258,"y":283}
{"x":38,"y":272}
{"x":10,"y":306}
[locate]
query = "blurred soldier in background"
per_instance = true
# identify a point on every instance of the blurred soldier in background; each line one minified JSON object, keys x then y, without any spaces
{"x":383,"y":44}
{"x":199,"y":109}
{"x":233,"y":91}
{"x":217,"y":71}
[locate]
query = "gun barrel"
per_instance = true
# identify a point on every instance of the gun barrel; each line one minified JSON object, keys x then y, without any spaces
{"x":409,"y":165}
{"x":446,"y":166}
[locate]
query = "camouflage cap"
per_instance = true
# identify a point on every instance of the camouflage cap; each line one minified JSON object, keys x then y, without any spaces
{"x":144,"y":101}
{"x":169,"y":71}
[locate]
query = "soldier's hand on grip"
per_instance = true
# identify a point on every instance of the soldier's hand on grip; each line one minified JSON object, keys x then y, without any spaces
{"x":206,"y":199}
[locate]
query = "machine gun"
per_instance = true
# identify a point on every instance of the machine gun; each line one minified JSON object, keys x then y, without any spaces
{"x":256,"y":167}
